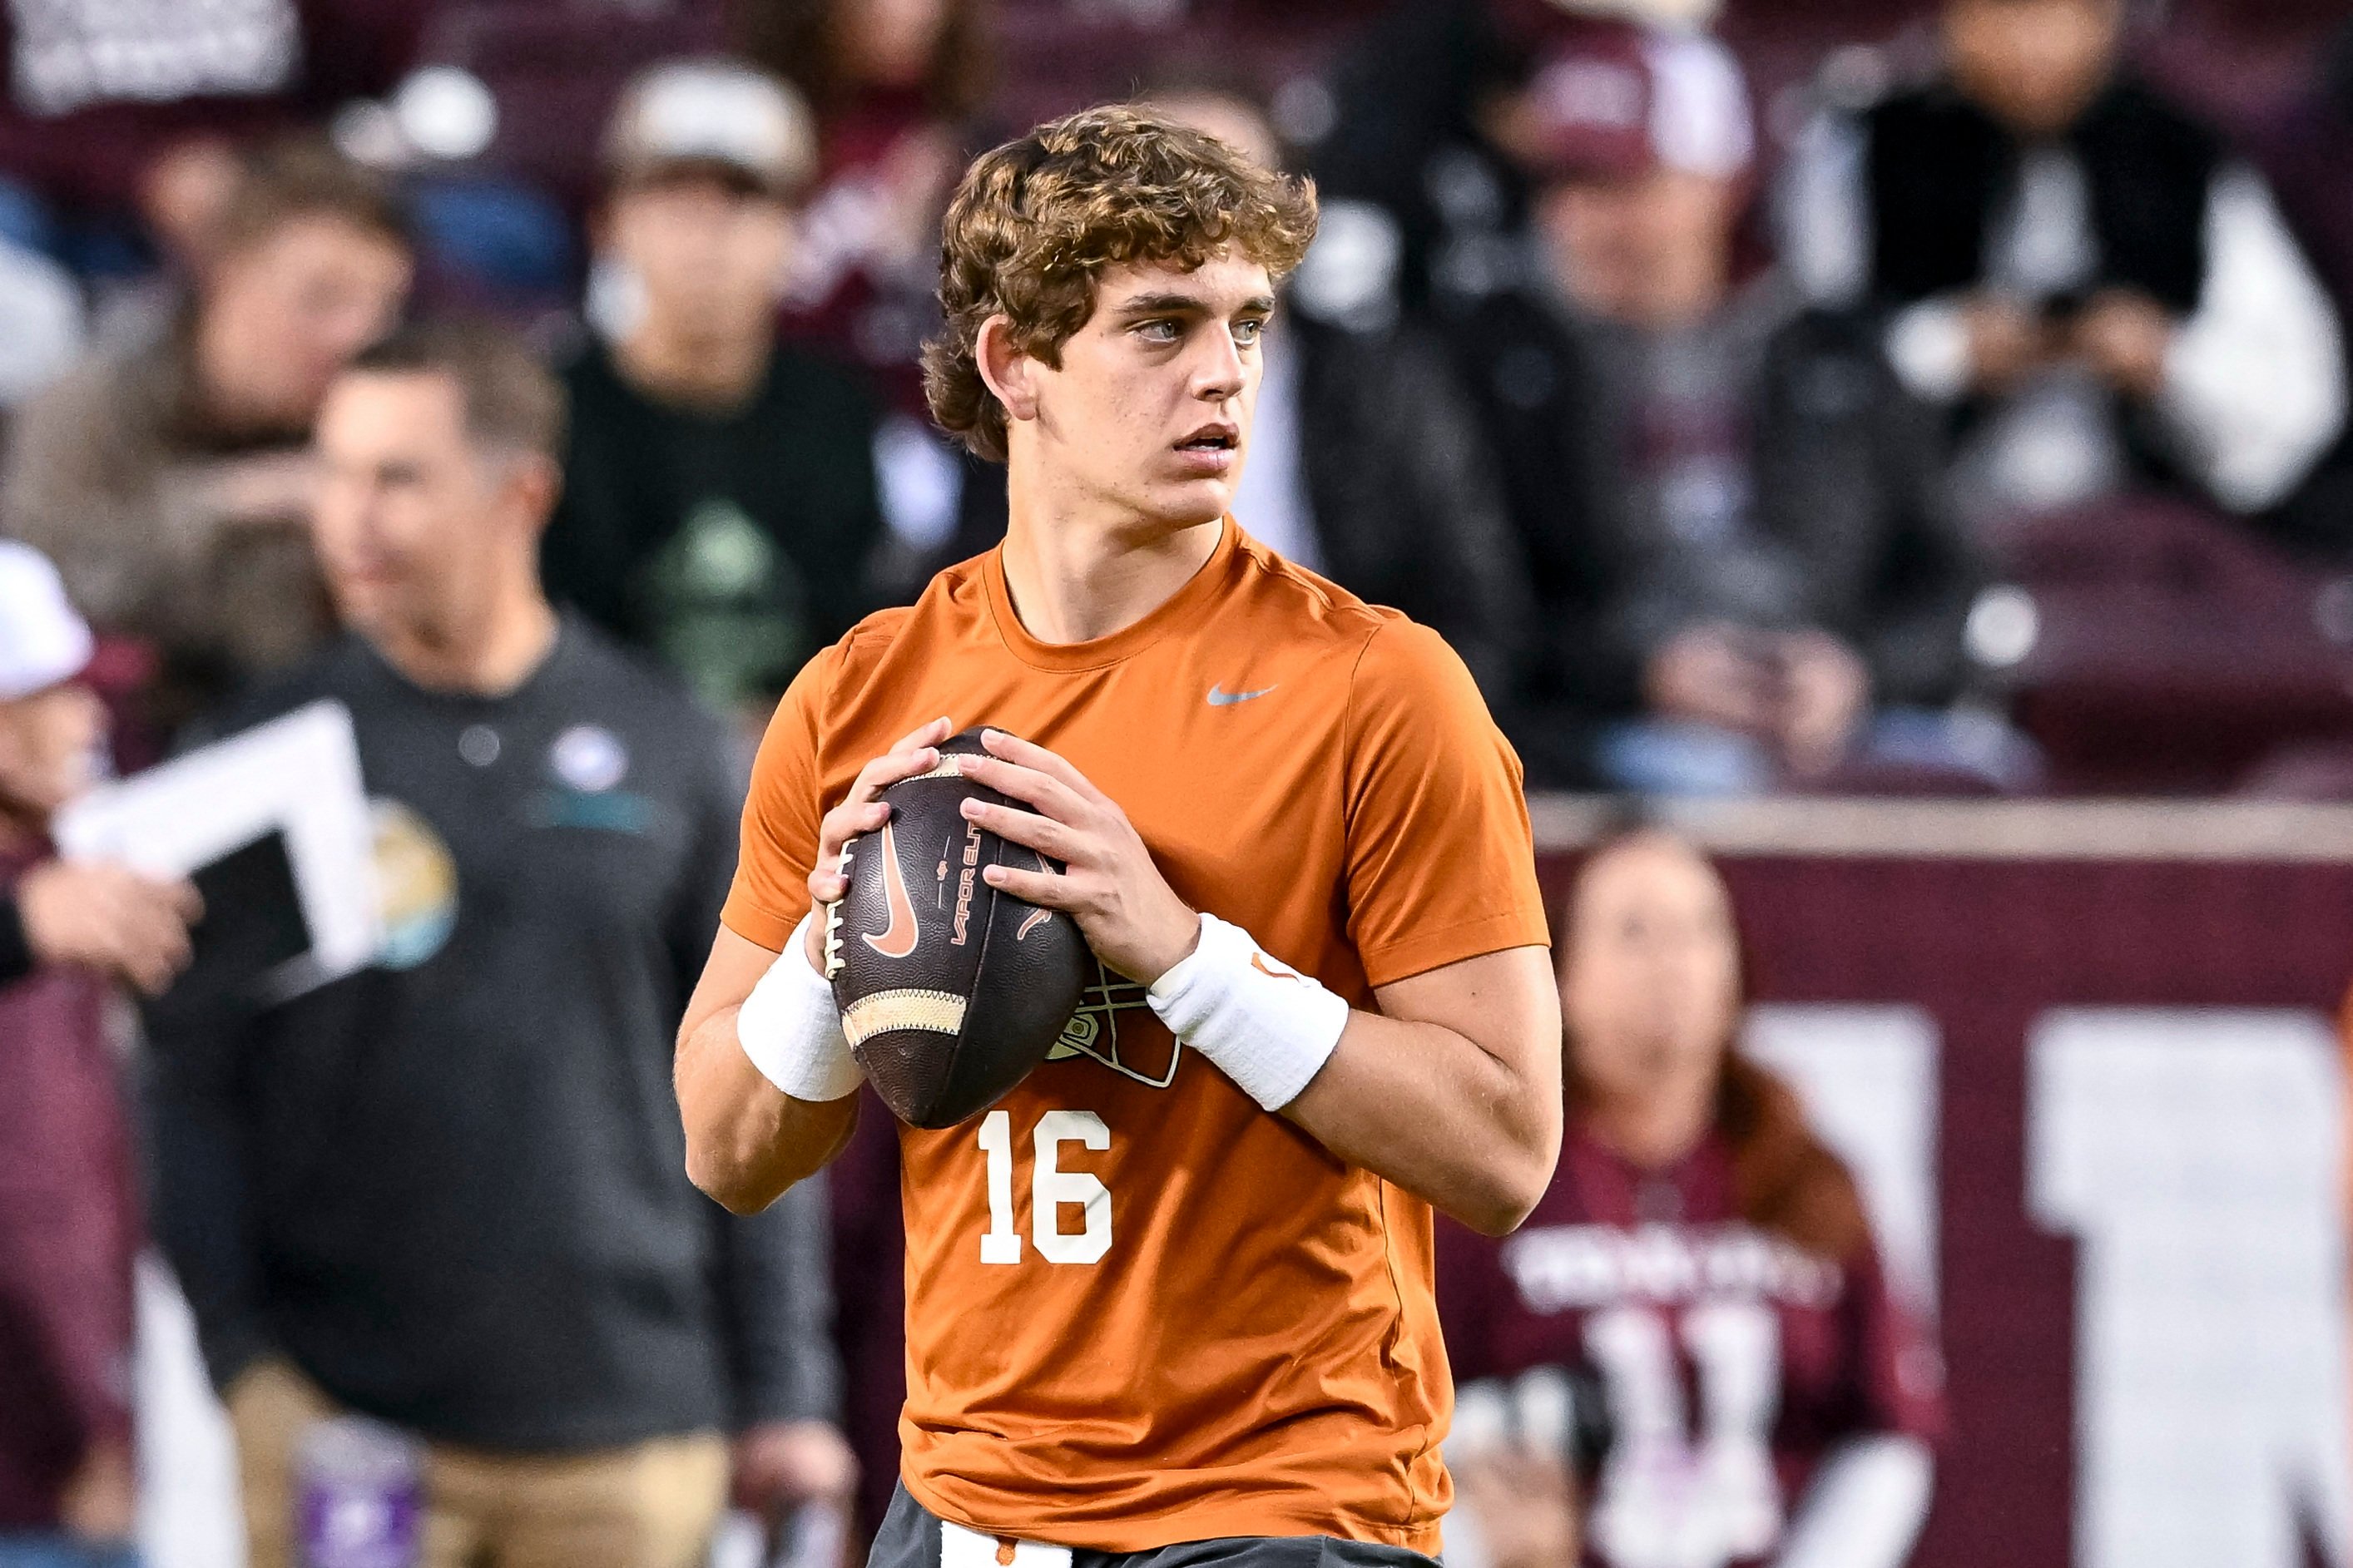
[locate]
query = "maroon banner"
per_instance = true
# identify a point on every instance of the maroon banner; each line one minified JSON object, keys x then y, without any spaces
{"x":2105,"y":1108}
{"x":2081,"y":968}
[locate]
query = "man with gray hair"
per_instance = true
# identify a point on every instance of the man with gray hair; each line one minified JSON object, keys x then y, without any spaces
{"x":448,"y":1192}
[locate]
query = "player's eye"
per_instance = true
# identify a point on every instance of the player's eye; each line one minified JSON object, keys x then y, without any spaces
{"x":1248,"y":333}
{"x":1160,"y":332}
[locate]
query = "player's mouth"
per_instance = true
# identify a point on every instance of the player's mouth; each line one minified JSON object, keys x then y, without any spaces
{"x":1211,"y":449}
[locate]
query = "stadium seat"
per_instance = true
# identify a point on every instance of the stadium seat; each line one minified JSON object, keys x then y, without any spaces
{"x":2176,"y":650}
{"x":555,"y":68}
{"x":1057,"y":57}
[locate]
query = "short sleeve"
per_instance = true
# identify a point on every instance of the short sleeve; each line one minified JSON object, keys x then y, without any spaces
{"x":1440,"y":860}
{"x":781,"y":815}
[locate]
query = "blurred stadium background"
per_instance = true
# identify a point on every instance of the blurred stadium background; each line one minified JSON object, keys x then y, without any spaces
{"x":1903,"y":443}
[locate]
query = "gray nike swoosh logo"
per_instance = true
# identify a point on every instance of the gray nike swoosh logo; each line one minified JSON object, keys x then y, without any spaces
{"x":1220,"y":697}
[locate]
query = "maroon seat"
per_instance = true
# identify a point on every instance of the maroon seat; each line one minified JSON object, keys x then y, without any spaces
{"x":2308,"y":770}
{"x":2176,"y":651}
{"x":556,"y":67}
{"x":1055,"y":59}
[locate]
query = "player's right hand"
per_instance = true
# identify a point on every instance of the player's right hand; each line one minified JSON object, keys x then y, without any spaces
{"x":862,"y":811}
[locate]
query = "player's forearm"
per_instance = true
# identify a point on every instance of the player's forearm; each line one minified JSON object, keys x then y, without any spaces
{"x":747,"y":1142}
{"x":1471,"y":1130}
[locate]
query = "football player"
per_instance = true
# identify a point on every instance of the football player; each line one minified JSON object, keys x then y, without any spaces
{"x":1698,"y":1297}
{"x":1177,"y":1287}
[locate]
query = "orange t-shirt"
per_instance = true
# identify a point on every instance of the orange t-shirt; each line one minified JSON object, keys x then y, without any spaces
{"x":1140,"y":1309}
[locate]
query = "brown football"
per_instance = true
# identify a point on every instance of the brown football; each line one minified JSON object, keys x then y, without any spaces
{"x":950,"y":991}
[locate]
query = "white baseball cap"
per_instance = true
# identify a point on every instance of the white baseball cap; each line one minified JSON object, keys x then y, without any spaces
{"x":715,"y":113}
{"x":42,"y":640}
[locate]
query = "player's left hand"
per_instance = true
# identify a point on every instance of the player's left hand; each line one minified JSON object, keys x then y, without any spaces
{"x":780,"y":1465}
{"x":1125,"y":909}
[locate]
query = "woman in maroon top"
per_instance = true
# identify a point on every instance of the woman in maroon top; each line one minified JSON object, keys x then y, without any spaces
{"x":1689,"y":1357}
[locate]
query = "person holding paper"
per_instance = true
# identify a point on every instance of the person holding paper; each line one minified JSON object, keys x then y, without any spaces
{"x":68,"y":1205}
{"x":448,"y":1192}
{"x":56,"y":913}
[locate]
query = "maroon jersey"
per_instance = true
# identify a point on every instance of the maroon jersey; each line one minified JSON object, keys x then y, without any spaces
{"x":68,"y":1230}
{"x":1725,"y":1360}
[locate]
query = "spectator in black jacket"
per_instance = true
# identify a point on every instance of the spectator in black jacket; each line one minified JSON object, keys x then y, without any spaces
{"x":1365,"y":461}
{"x":720,"y":506}
{"x":1731,"y":509}
{"x":449,"y":1191}
{"x":2102,"y":293}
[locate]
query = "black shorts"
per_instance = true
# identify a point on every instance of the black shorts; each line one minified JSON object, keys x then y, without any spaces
{"x":913,"y":1537}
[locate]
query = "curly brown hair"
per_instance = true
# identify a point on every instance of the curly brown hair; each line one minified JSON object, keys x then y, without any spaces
{"x":1035,"y":221}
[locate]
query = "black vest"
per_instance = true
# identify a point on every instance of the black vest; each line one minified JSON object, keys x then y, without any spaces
{"x":1939,"y":168}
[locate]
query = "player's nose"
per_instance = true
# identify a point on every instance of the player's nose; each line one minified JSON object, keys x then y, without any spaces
{"x":1220,"y":373}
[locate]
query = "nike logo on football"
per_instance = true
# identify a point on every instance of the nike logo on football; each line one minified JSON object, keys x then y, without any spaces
{"x":898,"y":940}
{"x":1220,"y":697}
{"x":1035,"y":918}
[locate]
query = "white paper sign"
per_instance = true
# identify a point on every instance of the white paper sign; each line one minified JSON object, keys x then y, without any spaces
{"x":298,"y":775}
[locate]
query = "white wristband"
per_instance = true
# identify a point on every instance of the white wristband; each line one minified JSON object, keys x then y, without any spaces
{"x":790,"y":1029}
{"x":1263,"y":1024}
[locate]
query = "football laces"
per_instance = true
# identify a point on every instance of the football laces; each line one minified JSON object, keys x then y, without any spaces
{"x":833,"y":921}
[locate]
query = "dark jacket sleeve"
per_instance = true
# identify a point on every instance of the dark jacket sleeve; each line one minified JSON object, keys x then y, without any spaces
{"x":773,"y":1269}
{"x":199,"y":1140}
{"x":199,"y":1112}
{"x":1540,"y":407}
{"x":1853,"y":470}
{"x":15,"y":952}
{"x":1408,"y":510}
{"x":1912,"y":634}
{"x":777,"y":1306}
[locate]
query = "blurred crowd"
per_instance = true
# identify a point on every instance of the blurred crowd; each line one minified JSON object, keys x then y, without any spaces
{"x":1934,"y":398}
{"x":1944,"y":396}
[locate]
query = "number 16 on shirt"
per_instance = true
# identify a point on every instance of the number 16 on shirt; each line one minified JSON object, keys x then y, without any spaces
{"x":1052,"y":1189}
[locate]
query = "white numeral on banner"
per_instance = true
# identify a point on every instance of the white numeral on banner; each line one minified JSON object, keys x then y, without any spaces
{"x":2196,"y":1155}
{"x":1051,"y":1189}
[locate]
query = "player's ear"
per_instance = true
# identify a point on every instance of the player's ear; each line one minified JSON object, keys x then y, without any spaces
{"x":1008,"y":372}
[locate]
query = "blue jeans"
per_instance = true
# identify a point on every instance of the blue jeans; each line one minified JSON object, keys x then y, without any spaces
{"x":1677,"y":757}
{"x":63,"y":1552}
